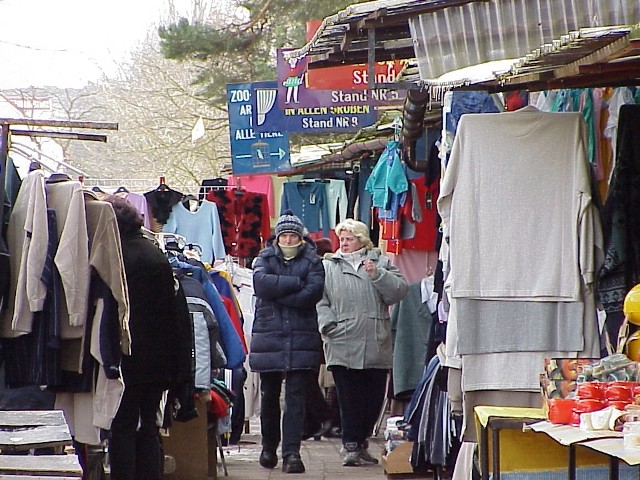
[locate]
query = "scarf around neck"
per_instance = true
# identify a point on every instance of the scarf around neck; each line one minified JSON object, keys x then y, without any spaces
{"x":355,"y":259}
{"x":289,"y":252}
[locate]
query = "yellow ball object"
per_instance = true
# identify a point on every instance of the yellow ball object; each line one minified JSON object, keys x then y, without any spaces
{"x":633,"y":347}
{"x":632,"y":305}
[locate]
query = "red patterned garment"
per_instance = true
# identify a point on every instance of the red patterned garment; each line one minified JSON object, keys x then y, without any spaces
{"x":244,"y":220}
{"x":426,"y":231}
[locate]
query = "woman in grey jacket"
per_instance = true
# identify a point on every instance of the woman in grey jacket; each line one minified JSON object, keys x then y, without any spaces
{"x":353,"y":316}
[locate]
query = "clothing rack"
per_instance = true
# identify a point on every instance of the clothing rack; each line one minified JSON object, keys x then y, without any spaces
{"x":5,"y":131}
{"x":134,"y":184}
{"x":219,"y":187}
{"x":229,"y":265}
{"x":170,"y":238}
{"x":209,"y":188}
{"x":34,"y":155}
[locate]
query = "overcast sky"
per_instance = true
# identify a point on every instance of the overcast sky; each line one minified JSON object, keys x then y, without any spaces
{"x":67,"y":43}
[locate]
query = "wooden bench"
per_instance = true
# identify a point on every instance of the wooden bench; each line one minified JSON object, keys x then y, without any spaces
{"x":56,"y":466}
{"x":27,"y":430}
{"x":24,"y":430}
{"x":31,"y":477}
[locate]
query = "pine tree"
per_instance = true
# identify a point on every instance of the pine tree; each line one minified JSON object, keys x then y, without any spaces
{"x":239,"y":45}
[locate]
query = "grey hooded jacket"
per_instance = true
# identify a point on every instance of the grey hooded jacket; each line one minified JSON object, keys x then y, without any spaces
{"x":353,"y":315}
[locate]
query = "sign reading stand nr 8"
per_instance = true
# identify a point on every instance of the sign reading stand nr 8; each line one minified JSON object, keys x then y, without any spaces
{"x":253,"y":151}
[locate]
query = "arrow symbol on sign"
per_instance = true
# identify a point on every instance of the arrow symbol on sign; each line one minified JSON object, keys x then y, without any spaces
{"x":280,"y":153}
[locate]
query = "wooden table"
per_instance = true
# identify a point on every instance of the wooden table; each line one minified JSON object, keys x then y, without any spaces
{"x":494,"y":419}
{"x":607,"y":442}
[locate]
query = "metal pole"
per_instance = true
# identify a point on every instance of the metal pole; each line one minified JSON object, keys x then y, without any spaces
{"x":66,"y":135}
{"x":33,"y":122}
{"x":4,"y":153}
{"x":371,"y":67}
{"x":572,"y":461}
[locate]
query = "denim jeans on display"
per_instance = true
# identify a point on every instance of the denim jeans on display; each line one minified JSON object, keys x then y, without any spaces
{"x":469,"y":102}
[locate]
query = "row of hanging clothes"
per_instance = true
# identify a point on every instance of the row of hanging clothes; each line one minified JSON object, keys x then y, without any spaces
{"x":217,"y":327}
{"x":436,"y":411}
{"x":323,"y":202}
{"x":404,"y":202}
{"x":221,"y":219}
{"x":236,"y":222}
{"x":64,"y":323}
{"x":487,"y":366}
{"x":67,"y":296}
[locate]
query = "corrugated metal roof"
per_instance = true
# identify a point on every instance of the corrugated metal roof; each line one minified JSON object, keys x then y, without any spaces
{"x":346,"y":31}
{"x":552,"y":43}
{"x":587,"y":57}
{"x":457,"y":37}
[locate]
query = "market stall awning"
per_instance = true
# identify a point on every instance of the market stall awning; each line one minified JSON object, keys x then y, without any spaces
{"x":540,"y":44}
{"x":345,"y":37}
{"x":604,"y":56}
{"x":607,"y":56}
{"x":459,"y":36}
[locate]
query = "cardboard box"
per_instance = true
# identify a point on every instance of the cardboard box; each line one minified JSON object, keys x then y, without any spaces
{"x":397,"y":461}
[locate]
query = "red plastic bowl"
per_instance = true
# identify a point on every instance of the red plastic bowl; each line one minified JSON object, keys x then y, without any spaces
{"x":561,"y":410}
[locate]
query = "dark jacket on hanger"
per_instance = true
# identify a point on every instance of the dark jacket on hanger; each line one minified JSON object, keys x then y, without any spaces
{"x":161,"y":201}
{"x":231,"y":335}
{"x":621,"y":220}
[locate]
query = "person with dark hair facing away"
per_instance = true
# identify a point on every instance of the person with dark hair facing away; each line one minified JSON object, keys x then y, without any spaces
{"x":288,"y":279}
{"x":316,"y":409}
{"x":135,"y":450}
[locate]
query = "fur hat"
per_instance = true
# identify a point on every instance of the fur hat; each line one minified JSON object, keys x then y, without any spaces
{"x":323,"y":245}
{"x":289,"y":223}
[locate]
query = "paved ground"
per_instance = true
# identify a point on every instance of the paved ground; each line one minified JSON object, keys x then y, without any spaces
{"x":322,"y":460}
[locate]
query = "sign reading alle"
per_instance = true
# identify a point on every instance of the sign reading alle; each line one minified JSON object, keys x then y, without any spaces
{"x":253,"y":151}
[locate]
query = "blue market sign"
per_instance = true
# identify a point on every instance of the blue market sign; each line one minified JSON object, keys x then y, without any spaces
{"x":253,"y":151}
{"x":324,"y":115}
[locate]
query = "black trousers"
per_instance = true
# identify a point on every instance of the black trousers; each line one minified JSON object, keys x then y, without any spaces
{"x":316,"y":409}
{"x":361,"y":396}
{"x":136,"y":453}
{"x":296,"y":383}
{"x":238,"y":377}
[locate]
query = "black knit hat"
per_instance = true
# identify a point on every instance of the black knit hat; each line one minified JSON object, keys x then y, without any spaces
{"x":289,"y":223}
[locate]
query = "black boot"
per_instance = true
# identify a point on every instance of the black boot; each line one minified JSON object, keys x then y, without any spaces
{"x":292,"y":464}
{"x":268,"y":459}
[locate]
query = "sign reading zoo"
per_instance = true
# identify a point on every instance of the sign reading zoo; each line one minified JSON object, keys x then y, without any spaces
{"x":253,"y":151}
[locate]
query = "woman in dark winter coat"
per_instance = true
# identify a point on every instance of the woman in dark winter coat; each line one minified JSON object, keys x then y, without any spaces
{"x":288,"y":279}
{"x":153,"y":366}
